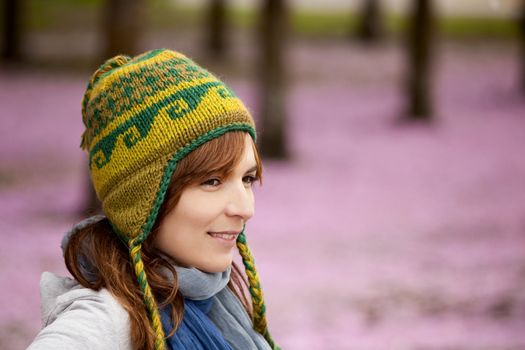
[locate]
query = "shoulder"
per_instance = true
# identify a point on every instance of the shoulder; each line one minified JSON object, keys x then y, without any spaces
{"x":77,"y":317}
{"x":59,"y":294}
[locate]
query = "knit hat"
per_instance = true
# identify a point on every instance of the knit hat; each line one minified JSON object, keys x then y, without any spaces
{"x":142,"y":115}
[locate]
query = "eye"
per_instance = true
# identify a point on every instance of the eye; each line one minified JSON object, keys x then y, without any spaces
{"x":211,"y":182}
{"x":249,"y":179}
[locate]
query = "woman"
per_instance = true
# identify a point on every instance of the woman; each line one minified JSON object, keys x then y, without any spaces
{"x":173,"y":160}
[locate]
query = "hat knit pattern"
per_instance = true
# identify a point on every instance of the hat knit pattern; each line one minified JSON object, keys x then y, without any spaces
{"x":142,"y":115}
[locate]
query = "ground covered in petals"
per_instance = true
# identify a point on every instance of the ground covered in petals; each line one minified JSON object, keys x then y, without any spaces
{"x":377,"y":234}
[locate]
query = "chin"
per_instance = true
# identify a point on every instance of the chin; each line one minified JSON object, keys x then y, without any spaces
{"x":216,"y":266}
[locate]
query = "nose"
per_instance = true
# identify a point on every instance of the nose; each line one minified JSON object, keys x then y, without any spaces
{"x":240,"y":202}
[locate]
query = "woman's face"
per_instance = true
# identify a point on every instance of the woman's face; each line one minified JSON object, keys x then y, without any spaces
{"x":202,"y":228}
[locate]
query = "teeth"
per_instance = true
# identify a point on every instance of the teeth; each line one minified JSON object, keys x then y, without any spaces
{"x":227,"y":236}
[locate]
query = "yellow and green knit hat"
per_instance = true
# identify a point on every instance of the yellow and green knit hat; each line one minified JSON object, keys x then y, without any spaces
{"x":142,"y":115}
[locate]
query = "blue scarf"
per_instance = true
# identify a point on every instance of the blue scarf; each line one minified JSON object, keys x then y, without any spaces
{"x":196,"y":330}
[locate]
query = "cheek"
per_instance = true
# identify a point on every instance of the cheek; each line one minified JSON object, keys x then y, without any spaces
{"x":195,"y":213}
{"x":198,"y":212}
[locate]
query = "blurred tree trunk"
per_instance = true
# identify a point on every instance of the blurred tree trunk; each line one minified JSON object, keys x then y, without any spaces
{"x":13,"y":14}
{"x":123,"y":24}
{"x":217,"y":28}
{"x":522,"y":39}
{"x":370,"y":28}
{"x":273,"y":32}
{"x":420,"y":37}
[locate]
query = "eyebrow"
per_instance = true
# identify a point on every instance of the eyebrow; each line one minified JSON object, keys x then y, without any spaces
{"x":253,"y":168}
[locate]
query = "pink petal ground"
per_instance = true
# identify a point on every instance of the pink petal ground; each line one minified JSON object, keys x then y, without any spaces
{"x":376,"y":235}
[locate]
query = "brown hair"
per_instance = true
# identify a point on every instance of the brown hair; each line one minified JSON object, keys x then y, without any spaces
{"x":100,"y":246}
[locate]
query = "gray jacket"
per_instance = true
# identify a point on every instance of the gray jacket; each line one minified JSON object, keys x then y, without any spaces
{"x":88,"y":319}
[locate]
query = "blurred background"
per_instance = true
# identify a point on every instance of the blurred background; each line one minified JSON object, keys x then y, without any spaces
{"x":392,"y":211}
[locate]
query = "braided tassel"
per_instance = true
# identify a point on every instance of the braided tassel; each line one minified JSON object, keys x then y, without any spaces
{"x":259,"y":309}
{"x":151,"y":305}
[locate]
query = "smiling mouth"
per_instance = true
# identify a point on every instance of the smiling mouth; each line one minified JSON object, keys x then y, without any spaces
{"x":227,"y":236}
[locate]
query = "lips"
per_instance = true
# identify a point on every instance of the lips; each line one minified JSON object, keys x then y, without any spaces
{"x":226,"y":238}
